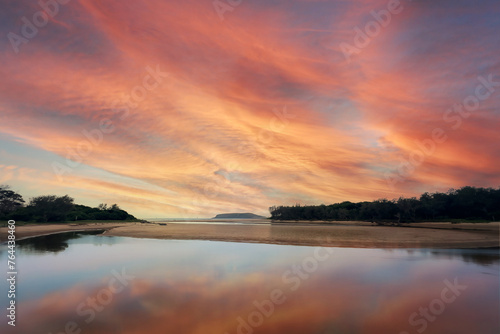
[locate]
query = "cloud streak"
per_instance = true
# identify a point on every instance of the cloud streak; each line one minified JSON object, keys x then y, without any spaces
{"x":210,"y":124}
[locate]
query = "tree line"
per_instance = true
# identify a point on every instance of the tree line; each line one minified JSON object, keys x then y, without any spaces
{"x":51,"y":208}
{"x":467,"y":203}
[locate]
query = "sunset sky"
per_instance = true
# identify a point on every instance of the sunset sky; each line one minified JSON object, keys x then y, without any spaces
{"x":189,"y":109}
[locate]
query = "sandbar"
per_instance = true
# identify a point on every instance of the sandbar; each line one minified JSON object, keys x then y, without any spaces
{"x":333,"y":234}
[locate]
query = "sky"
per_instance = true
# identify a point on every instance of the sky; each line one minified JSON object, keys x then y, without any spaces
{"x":197,"y":107}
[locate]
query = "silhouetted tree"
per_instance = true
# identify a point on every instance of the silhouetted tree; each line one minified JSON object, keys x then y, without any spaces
{"x":463,"y":203}
{"x":54,"y":208}
{"x":102,"y":206}
{"x":51,"y":207}
{"x":407,"y":209}
{"x":10,"y":201}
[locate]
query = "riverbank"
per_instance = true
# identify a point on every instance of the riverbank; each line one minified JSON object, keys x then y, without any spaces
{"x":335,"y":234}
{"x":34,"y":230}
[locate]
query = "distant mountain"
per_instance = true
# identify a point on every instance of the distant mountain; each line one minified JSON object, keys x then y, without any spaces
{"x":238,"y":216}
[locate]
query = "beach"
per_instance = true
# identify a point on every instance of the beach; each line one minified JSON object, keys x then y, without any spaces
{"x":333,"y":234}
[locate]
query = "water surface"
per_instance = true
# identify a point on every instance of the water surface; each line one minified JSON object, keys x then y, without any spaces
{"x":98,"y":284}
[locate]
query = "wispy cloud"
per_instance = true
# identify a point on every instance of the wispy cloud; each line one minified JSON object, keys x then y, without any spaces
{"x":352,"y":123}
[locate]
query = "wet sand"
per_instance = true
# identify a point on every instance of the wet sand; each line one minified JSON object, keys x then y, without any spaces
{"x":27,"y":231}
{"x":345,"y":234}
{"x":336,"y":234}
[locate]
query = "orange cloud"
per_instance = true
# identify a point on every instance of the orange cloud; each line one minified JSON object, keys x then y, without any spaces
{"x":255,"y":110}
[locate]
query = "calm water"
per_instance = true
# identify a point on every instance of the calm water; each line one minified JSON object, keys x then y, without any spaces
{"x":95,"y":284}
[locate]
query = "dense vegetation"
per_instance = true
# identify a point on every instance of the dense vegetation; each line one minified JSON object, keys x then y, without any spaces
{"x":465,"y":203}
{"x":53,"y":208}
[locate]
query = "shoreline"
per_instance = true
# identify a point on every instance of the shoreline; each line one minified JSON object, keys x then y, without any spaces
{"x":39,"y":230}
{"x":331,"y":234}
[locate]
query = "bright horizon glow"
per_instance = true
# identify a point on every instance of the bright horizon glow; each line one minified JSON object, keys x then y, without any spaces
{"x":255,"y":110}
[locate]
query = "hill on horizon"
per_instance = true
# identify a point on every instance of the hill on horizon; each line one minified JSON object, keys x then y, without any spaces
{"x":246,"y":215}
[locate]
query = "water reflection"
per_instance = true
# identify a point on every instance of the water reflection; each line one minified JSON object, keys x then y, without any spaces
{"x":52,"y":243}
{"x":214,"y":287}
{"x":484,"y":257}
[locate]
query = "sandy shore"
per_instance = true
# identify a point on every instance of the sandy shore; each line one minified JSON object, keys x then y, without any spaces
{"x":338,"y":234}
{"x":27,"y":231}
